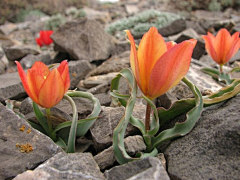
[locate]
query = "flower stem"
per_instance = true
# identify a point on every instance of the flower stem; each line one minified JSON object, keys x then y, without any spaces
{"x":147,"y":117}
{"x":49,"y":121}
{"x":221,"y":68}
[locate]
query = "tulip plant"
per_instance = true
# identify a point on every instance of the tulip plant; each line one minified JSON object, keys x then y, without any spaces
{"x":221,"y":48}
{"x":157,"y":66}
{"x":46,"y":88}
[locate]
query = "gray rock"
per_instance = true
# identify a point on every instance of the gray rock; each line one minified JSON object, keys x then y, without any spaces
{"x":102,"y":129}
{"x":131,"y":9}
{"x":104,"y":99}
{"x":17,"y":52}
{"x":13,"y":161}
{"x":102,"y":88}
{"x":187,"y":34}
{"x":149,"y":168}
{"x":211,"y":150}
{"x":30,"y":59}
{"x":78,"y":71}
{"x":11,"y":86}
{"x":97,"y":80}
{"x":236,"y":57}
{"x":100,"y":16}
{"x":114,"y":64}
{"x":65,"y":166}
{"x":83,"y":39}
{"x":173,"y":28}
{"x":5,"y":41}
{"x":3,"y":62}
{"x":7,"y":28}
{"x":133,"y":144}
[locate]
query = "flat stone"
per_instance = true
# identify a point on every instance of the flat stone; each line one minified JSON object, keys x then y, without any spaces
{"x":131,"y":9}
{"x":104,"y":98}
{"x":211,"y":149}
{"x":102,"y":129}
{"x":11,"y":86}
{"x":100,"y":16}
{"x":7,"y":28}
{"x":173,"y":28}
{"x":114,"y":64}
{"x":83,"y":39}
{"x":149,"y":168}
{"x":13,"y":161}
{"x":65,"y":166}
{"x":17,"y":52}
{"x":30,"y":59}
{"x":133,"y":145}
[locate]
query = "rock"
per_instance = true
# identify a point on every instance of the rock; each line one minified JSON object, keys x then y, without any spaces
{"x":13,"y":161}
{"x":25,"y":36}
{"x":104,"y":99}
{"x":114,"y":64}
{"x":83,"y":39}
{"x":196,"y":26}
{"x":187,"y":34}
{"x":5,"y":41}
{"x":97,"y":80}
{"x":17,"y":52}
{"x":236,"y":57}
{"x":131,"y":9}
{"x":211,"y":149}
{"x":207,"y":61}
{"x":133,"y":144}
{"x":30,"y":59}
{"x":102,"y":17}
{"x":102,"y":129}
{"x":102,"y":88}
{"x":3,"y":62}
{"x":11,"y":86}
{"x":78,"y":71}
{"x":65,"y":166}
{"x":162,"y":159}
{"x":173,"y":28}
{"x":149,"y":168}
{"x":6,"y":29}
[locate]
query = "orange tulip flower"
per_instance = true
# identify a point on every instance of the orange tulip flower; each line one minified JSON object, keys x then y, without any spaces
{"x":158,"y":66}
{"x":45,"y":87}
{"x":222,"y":47}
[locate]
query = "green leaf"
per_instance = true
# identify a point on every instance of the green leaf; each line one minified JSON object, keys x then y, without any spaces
{"x":38,"y":127}
{"x":223,"y":94}
{"x":73,"y":129}
{"x":83,"y":127}
{"x":181,"y":129}
{"x":61,"y":143}
{"x":217,"y":75}
{"x":41,"y":118}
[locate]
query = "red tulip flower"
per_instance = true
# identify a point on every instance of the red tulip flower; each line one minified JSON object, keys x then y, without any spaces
{"x":222,"y":47}
{"x":45,"y":87}
{"x":158,"y":66}
{"x":44,"y":38}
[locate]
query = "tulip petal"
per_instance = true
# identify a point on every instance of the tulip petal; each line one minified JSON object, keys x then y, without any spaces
{"x":52,"y":90}
{"x":45,"y":37}
{"x":64,"y":72}
{"x":209,"y":46}
{"x":170,"y":68}
{"x":151,"y":48}
{"x":134,"y":58}
{"x":223,"y":42}
{"x":39,"y":42}
{"x":234,"y":48}
{"x":24,"y":80}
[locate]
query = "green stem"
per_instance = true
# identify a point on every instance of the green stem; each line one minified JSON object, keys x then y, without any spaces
{"x":49,"y":121}
{"x":147,"y":117}
{"x":221,"y":68}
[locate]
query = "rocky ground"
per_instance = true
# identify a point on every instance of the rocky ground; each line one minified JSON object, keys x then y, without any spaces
{"x":93,"y":41}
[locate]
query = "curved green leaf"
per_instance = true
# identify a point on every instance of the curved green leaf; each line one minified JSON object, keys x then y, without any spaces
{"x":82,"y":128}
{"x":181,"y":129}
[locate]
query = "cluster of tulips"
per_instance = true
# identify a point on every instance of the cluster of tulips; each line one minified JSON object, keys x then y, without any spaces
{"x":157,"y":66}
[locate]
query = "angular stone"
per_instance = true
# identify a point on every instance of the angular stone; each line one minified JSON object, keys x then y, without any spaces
{"x":131,"y":9}
{"x":211,"y":149}
{"x":30,"y":59}
{"x":78,"y":71}
{"x":133,"y":144}
{"x":173,"y":28}
{"x":104,"y":99}
{"x":17,"y":52}
{"x":100,"y":16}
{"x":149,"y":168}
{"x":5,"y":41}
{"x":114,"y":64}
{"x":65,"y":166}
{"x":11,"y":86}
{"x":13,"y":161}
{"x":102,"y":129}
{"x":83,"y":39}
